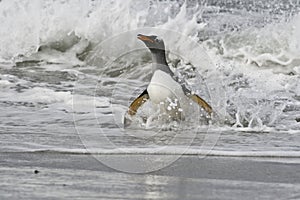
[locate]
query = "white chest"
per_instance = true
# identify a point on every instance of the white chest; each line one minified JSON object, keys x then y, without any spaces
{"x":163,"y":87}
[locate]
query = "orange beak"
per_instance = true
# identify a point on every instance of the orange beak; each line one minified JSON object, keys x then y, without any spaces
{"x":144,"y":38}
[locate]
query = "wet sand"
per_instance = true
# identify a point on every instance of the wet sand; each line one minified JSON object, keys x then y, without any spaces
{"x":46,"y":175}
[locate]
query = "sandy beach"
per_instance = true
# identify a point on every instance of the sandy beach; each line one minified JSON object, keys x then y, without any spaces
{"x":67,"y":176}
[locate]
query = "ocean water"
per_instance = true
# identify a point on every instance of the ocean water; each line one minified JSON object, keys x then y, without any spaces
{"x":69,"y":70}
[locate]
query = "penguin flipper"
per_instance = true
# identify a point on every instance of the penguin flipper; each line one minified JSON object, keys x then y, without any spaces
{"x":138,"y":102}
{"x":135,"y":105}
{"x":202,"y":103}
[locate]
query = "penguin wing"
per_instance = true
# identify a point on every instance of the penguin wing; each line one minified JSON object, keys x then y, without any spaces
{"x":138,"y":102}
{"x":201,"y":102}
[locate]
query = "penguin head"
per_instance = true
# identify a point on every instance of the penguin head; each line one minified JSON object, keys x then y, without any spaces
{"x":154,"y":43}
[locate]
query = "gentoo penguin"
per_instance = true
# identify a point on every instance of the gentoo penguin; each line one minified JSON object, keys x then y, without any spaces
{"x":164,"y":88}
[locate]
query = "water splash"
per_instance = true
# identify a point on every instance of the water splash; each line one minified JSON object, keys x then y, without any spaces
{"x":256,"y":55}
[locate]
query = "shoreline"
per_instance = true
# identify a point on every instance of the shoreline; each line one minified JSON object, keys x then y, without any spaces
{"x":71,"y":176}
